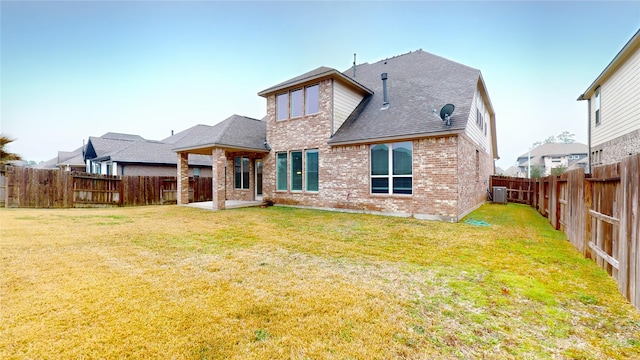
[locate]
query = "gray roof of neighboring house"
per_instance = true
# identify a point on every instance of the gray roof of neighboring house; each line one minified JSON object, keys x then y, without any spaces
{"x":127,"y":148}
{"x":417,"y":83}
{"x":72,"y":158}
{"x":234,"y":132}
{"x":154,"y":152}
{"x":120,"y":136}
{"x":557,"y":149}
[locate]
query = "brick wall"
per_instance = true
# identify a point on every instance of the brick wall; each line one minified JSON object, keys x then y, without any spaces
{"x":472,"y":181}
{"x":306,"y":132}
{"x":617,"y":149}
{"x":241,"y":194}
{"x":443,"y":189}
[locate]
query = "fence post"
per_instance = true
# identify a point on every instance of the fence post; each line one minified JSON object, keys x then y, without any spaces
{"x":588,"y":201}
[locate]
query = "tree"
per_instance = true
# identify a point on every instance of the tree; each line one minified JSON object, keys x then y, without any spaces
{"x":537,"y":171}
{"x":566,"y":137}
{"x":558,"y":170}
{"x":5,"y":155}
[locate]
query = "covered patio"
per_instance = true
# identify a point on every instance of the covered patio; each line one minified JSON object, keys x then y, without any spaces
{"x":238,"y":147}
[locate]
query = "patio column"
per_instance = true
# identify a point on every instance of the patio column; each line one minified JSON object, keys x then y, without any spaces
{"x":183,"y":178}
{"x":218,"y":181}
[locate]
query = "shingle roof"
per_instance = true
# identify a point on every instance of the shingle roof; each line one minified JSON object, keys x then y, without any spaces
{"x":120,"y":136}
{"x":417,"y":83}
{"x":558,"y":149}
{"x":320,"y":72}
{"x":236,"y":132}
{"x":127,"y":148}
{"x":154,"y":152}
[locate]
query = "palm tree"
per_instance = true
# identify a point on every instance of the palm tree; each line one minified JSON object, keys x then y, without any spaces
{"x":4,"y":155}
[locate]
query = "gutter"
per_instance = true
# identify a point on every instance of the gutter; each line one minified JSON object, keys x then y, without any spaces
{"x":395,"y":138}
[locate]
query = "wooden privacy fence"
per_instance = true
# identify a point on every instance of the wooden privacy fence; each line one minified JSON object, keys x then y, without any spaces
{"x":38,"y":188}
{"x":599,"y":213}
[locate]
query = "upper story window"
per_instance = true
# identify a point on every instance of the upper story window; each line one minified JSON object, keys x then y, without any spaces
{"x":282,"y":106}
{"x":297,"y":103}
{"x":597,"y":96}
{"x":312,"y":100}
{"x":392,"y":171}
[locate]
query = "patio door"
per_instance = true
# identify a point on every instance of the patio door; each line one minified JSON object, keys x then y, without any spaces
{"x":258,"y":187}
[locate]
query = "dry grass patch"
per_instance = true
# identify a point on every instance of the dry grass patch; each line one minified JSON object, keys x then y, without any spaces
{"x":177,"y":282}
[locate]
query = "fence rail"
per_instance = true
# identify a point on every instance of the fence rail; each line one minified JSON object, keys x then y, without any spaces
{"x":599,"y":213}
{"x":38,"y":188}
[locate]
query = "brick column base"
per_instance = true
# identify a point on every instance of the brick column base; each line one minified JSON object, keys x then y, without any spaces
{"x":183,"y":178}
{"x":218,"y":182}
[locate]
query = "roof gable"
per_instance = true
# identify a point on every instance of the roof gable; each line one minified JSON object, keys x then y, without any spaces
{"x":316,"y":74}
{"x":418,"y":82}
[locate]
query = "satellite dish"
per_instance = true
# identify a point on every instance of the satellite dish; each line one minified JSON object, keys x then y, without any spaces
{"x":445,"y":113}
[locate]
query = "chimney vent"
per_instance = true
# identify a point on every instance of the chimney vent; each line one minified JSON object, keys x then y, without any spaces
{"x":171,"y":132}
{"x":385,"y":101}
{"x":354,"y":65}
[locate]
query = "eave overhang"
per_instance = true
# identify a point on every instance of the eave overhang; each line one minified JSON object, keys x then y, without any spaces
{"x":632,"y":45}
{"x":332,"y":73}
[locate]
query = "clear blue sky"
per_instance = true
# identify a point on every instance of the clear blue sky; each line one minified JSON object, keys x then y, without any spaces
{"x":70,"y":70}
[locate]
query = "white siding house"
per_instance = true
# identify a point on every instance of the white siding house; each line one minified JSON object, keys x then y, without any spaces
{"x":614,"y":107}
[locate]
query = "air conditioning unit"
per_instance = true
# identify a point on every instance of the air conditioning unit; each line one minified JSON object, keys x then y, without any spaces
{"x":500,"y":194}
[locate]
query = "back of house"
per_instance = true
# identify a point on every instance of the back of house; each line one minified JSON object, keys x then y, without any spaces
{"x":371,"y":138}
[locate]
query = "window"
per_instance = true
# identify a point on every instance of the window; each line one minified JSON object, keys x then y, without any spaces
{"x":296,"y":170}
{"x":282,"y":106}
{"x":281,"y":171}
{"x":296,"y":103}
{"x":391,"y":171}
{"x":597,"y":96}
{"x":241,"y":172}
{"x":196,"y":172}
{"x":312,"y":99}
{"x":311,"y":165}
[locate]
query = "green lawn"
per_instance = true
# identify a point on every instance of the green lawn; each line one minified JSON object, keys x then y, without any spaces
{"x":177,"y":282}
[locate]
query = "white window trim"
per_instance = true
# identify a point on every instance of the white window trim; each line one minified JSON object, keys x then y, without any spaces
{"x":390,"y":175}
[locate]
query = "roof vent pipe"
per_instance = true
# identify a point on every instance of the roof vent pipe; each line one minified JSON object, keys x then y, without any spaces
{"x":385,"y":102}
{"x":354,"y":65}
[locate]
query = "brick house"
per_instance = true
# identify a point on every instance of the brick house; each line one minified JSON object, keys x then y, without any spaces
{"x":368,"y":139}
{"x":613,"y":101}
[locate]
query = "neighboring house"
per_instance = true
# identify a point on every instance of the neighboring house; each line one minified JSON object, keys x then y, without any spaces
{"x":367,"y":139}
{"x":66,"y":160}
{"x":125,"y":154}
{"x":551,"y":155}
{"x":614,"y":107}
